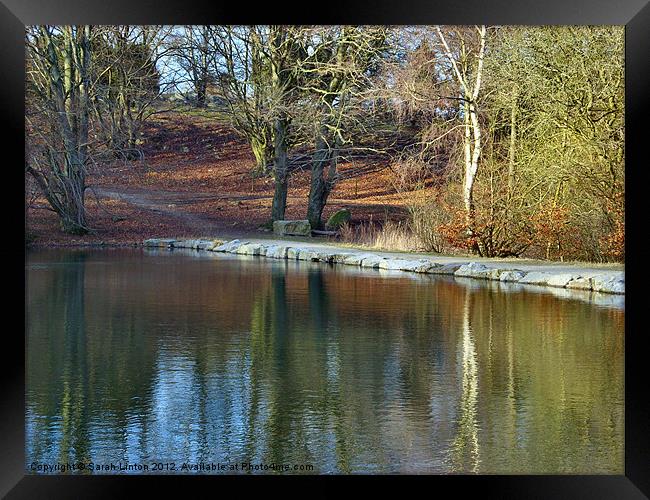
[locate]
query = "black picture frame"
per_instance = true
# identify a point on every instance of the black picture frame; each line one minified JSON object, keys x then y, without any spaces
{"x":634,"y":14}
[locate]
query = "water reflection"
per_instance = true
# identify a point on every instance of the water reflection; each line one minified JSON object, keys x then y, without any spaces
{"x":465,"y":447}
{"x":177,"y":358}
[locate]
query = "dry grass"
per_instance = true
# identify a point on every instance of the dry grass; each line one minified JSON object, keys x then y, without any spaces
{"x":393,"y":236}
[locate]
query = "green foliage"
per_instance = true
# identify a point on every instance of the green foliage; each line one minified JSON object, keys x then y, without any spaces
{"x":551,"y":173}
{"x":567,"y":84}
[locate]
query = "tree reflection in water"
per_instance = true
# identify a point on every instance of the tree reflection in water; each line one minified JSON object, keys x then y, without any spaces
{"x":179,"y":358}
{"x":465,"y":446}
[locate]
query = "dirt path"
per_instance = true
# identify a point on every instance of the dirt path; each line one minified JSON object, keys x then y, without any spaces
{"x":162,"y":203}
{"x":177,"y":206}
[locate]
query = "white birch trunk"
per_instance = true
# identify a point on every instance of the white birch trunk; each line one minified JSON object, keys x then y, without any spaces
{"x":472,"y":137}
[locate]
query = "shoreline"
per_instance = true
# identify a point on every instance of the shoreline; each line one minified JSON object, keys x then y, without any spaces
{"x":554,"y":275}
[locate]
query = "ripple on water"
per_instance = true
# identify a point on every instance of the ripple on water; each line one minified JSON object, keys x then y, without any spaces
{"x":170,"y":358}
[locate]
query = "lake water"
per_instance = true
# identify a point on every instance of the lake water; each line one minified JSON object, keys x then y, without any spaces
{"x":178,"y":362}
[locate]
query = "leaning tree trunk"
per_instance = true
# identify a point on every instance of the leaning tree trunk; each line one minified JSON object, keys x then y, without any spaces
{"x":73,"y":218}
{"x":263,"y":152}
{"x":320,"y":185}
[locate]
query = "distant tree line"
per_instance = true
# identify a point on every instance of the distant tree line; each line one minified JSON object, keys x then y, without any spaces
{"x":503,"y":140}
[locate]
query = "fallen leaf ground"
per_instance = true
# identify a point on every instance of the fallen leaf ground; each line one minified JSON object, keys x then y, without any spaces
{"x":195,"y":179}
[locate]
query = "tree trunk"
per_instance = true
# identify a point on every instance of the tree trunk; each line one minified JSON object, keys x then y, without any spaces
{"x":260,"y":150}
{"x":320,"y":186}
{"x":317,"y":200}
{"x":472,"y":154}
{"x":73,"y":215}
{"x":201,"y":90}
{"x":279,"y":199}
{"x":65,"y":184}
{"x":280,"y":169}
{"x":468,"y":178}
{"x":71,"y":226}
{"x":130,"y":145}
{"x":472,"y":136}
{"x":513,"y":141}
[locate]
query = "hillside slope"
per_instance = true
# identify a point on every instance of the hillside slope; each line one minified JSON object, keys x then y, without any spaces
{"x":194,"y":178}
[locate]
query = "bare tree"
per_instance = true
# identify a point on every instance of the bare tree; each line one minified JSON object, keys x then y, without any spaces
{"x":127,"y":83}
{"x":256,"y":77}
{"x":241,"y":75}
{"x":190,"y":47}
{"x":465,"y":53}
{"x":284,"y":51}
{"x":58,"y":81}
{"x":336,"y":68}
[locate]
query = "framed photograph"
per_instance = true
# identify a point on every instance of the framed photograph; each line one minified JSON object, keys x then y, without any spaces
{"x":385,"y":244}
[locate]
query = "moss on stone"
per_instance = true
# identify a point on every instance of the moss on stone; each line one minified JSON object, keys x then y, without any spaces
{"x":338,"y":218}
